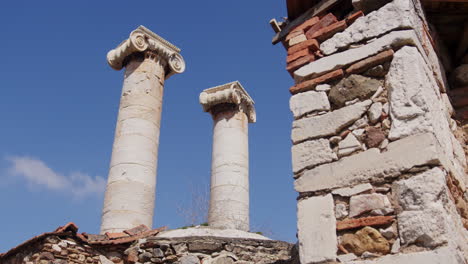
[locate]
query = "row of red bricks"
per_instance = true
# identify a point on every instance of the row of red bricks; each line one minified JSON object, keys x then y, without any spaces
{"x":304,"y":40}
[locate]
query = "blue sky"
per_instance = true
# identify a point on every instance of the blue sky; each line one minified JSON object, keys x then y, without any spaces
{"x":60,"y":99}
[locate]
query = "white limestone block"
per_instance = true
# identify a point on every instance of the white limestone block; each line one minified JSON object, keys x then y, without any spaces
{"x":316,"y":229}
{"x":347,"y":257}
{"x":421,"y":190}
{"x":323,"y":87}
{"x":427,"y":227}
{"x":350,"y":191}
{"x":394,"y":39}
{"x":349,"y":145}
{"x":374,"y":113}
{"x":371,"y":165}
{"x":396,"y":246}
{"x":363,"y":203}
{"x":415,"y":102}
{"x":329,"y":123}
{"x":311,"y":153}
{"x":398,"y":14}
{"x":341,"y":211}
{"x":444,"y":255}
{"x":308,"y":102}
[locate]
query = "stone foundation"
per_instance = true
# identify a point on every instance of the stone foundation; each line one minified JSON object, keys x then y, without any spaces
{"x":67,"y":246}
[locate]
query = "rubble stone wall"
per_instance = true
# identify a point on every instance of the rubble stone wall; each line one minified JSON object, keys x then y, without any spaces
{"x":380,"y":174}
{"x":55,"y":249}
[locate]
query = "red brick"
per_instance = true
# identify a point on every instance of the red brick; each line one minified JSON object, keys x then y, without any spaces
{"x":365,"y":221}
{"x":312,"y":44}
{"x":324,"y":22}
{"x":370,"y":62}
{"x":298,"y":54}
{"x":328,"y":31}
{"x":299,"y":63}
{"x":350,"y":19}
{"x":307,"y":24}
{"x":310,"y":84}
{"x":116,"y":235}
{"x":293,"y":34}
{"x":137,"y":230}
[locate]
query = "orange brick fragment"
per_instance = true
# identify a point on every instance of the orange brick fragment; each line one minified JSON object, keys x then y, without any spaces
{"x":298,"y":54}
{"x":350,"y":19}
{"x":370,"y":62}
{"x":299,"y":63}
{"x":324,"y":22}
{"x":328,"y":31}
{"x":365,"y":221}
{"x":307,"y":24}
{"x":310,"y":84}
{"x":312,"y":44}
{"x":116,"y":235}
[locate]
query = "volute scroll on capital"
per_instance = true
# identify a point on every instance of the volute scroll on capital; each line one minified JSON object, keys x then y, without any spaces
{"x":141,"y":40}
{"x":232,"y":93}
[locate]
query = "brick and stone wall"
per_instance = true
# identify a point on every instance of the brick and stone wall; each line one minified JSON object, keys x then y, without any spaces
{"x":143,"y":246}
{"x":377,"y":159}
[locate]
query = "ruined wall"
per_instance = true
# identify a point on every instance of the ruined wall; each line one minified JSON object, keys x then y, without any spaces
{"x":380,"y":175}
{"x":62,"y":249}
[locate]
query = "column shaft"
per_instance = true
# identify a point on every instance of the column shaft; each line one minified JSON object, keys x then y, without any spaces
{"x":130,"y":193}
{"x":229,"y":201}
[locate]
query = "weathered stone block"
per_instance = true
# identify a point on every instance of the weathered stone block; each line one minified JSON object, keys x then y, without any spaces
{"x":329,"y":123}
{"x":311,"y":153}
{"x":394,"y":40}
{"x":422,"y":190}
{"x":350,"y":191}
{"x":367,"y":239}
{"x":349,"y":145}
{"x":427,"y":228}
{"x":445,"y":255}
{"x":308,"y":102}
{"x":415,"y":103}
{"x":399,"y":14}
{"x":371,"y":165}
{"x":363,"y":203}
{"x":316,"y":229}
{"x":352,"y":87}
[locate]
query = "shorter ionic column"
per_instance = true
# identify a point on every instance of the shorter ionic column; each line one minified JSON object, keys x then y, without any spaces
{"x":232,"y":109}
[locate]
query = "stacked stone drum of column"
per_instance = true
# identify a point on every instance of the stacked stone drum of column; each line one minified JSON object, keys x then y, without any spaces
{"x":130,"y":194}
{"x":380,"y":175}
{"x":232,"y":109}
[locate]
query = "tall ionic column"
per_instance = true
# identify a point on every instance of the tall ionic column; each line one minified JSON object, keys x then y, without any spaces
{"x":232,"y":109}
{"x":148,"y":60}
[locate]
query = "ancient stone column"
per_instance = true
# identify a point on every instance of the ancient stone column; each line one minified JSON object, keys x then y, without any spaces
{"x":232,"y":109}
{"x":130,"y":194}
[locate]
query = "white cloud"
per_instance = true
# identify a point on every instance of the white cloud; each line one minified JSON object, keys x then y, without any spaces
{"x":37,"y":173}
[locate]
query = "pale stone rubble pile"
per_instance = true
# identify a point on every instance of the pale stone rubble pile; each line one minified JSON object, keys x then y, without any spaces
{"x":380,"y":175}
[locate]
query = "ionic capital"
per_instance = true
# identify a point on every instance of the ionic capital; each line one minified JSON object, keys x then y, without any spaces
{"x":229,"y":93}
{"x":141,"y":40}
